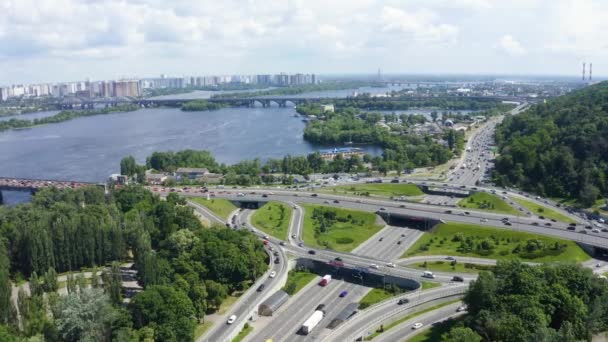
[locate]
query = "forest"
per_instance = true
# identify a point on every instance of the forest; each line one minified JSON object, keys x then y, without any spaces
{"x":186,"y":270}
{"x":518,"y":302}
{"x":558,"y":148}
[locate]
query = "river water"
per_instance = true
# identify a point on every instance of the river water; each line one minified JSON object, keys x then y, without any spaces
{"x":90,"y":148}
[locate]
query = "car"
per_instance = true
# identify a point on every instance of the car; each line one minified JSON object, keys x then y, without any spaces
{"x":314,"y":195}
{"x":312,"y":252}
{"x":293,"y":236}
{"x":595,"y":230}
{"x":277,"y":261}
{"x":265,"y":237}
{"x":282,"y":243}
{"x":264,"y":195}
{"x":535,"y":223}
{"x":326,"y":202}
{"x":336,"y":201}
{"x":448,"y":211}
{"x":553,"y":220}
{"x":588,"y":227}
{"x":484,"y":220}
{"x":301,"y":244}
{"x":402,"y":206}
{"x":380,"y":239}
{"x":399,"y":242}
{"x":461,"y":308}
{"x":382,"y":208}
{"x":450,"y":258}
{"x":605,"y":230}
{"x":338,"y":259}
{"x":457,"y":278}
{"x":390,"y":264}
{"x":548,"y":224}
{"x":320,"y":307}
{"x":231,"y":319}
{"x":467,"y":213}
{"x":403,"y":301}
{"x":417,"y":326}
{"x":402,"y":235}
{"x":507,"y":223}
{"x":598,"y":265}
{"x":343,"y":294}
{"x":571,"y":228}
{"x":572,"y":224}
{"x":261,"y":288}
{"x":582,"y":231}
{"x":273,"y":274}
{"x":276,"y":253}
{"x":541,"y":217}
{"x":374,"y":266}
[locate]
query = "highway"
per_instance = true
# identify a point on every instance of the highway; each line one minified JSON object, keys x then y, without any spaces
{"x":389,"y":243}
{"x":404,"y":331}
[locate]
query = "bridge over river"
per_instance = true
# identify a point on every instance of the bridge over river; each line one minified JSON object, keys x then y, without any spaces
{"x":33,"y":185}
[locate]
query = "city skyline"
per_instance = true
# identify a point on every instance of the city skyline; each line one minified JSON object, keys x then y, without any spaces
{"x":44,"y":41}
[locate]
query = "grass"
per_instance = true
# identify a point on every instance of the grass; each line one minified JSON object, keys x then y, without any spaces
{"x":488,"y":202}
{"x":345,"y":229}
{"x":219,"y":206}
{"x":296,"y":280}
{"x":410,"y":316}
{"x":201,"y":329}
{"x":599,"y":206}
{"x":541,"y":210}
{"x":446,"y":266}
{"x":246,"y":330}
{"x":435,"y":331}
{"x":378,"y":189}
{"x":450,"y":238}
{"x":226,"y":304}
{"x":427,"y":285}
{"x":376,"y":295}
{"x":273,"y":219}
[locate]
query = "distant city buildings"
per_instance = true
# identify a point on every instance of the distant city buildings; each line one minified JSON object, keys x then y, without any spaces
{"x":136,"y":87}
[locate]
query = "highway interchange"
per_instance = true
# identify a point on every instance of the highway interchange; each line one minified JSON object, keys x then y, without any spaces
{"x":381,"y":249}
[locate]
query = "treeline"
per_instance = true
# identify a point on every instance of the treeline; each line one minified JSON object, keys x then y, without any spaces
{"x":219,"y":87}
{"x":64,"y":116}
{"x":366,"y":101}
{"x":558,"y":148}
{"x":201,"y":105}
{"x":518,"y":302}
{"x":186,"y":270}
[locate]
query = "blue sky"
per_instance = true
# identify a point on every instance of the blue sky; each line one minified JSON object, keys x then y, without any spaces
{"x":57,"y":40}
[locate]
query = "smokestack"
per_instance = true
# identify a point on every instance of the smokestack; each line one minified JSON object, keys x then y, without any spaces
{"x":584,"y":70}
{"x":590,"y":71}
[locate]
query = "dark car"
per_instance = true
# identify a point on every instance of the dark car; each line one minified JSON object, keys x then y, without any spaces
{"x":553,"y":220}
{"x":312,"y":252}
{"x":582,"y":231}
{"x":277,"y":261}
{"x":399,"y":242}
{"x":264,"y":195}
{"x":338,"y":259}
{"x":571,"y":228}
{"x":535,"y":223}
{"x":261,"y":287}
{"x":380,"y":239}
{"x":448,"y":211}
{"x":548,"y":224}
{"x":467,"y":213}
{"x":402,"y":206}
{"x":314,"y":195}
{"x":395,"y":181}
{"x":541,"y":217}
{"x":320,"y":307}
{"x":276,"y":253}
{"x":336,"y":201}
{"x":572,"y":224}
{"x":588,"y":227}
{"x":457,"y":278}
{"x":507,"y":223}
{"x":403,"y":301}
{"x":343,"y":294}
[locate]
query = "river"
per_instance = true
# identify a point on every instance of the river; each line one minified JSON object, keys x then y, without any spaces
{"x":90,"y":148}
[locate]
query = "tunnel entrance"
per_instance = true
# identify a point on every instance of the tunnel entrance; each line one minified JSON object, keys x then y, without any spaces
{"x":409,"y":221}
{"x":248,"y":204}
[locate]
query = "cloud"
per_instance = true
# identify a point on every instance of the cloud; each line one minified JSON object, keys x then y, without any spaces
{"x":511,"y":46}
{"x":418,"y":25}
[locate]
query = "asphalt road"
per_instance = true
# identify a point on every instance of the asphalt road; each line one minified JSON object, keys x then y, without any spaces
{"x":285,"y":324}
{"x":389,"y":243}
{"x":404,"y":331}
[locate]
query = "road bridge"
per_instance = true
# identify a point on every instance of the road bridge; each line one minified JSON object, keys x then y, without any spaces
{"x":33,"y":185}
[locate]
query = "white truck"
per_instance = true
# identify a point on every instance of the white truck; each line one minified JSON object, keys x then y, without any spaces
{"x":463,"y":166}
{"x":325,"y":280}
{"x":312,"y":322}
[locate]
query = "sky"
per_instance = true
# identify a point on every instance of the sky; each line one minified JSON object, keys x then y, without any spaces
{"x":63,"y":40}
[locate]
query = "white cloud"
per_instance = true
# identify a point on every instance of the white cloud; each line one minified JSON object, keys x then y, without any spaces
{"x":511,"y":46}
{"x":418,"y":25}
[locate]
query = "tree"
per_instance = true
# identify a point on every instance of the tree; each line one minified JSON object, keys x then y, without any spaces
{"x":50,"y":280}
{"x":128,"y":166}
{"x":434,"y":115}
{"x":460,"y":334}
{"x":169,"y":309}
{"x":112,"y":283}
{"x":7,"y":310}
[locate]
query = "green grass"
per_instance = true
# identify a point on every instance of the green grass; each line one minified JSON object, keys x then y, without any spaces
{"x":377,"y":189}
{"x":349,"y":229}
{"x":226,"y":304}
{"x":599,"y":206}
{"x":273,"y":219}
{"x":243,"y":333}
{"x":427,"y":285}
{"x":442,"y":241}
{"x":221,"y":207}
{"x":296,"y":280}
{"x":488,"y":202}
{"x":201,"y":328}
{"x":435,"y":331}
{"x":446,"y":266}
{"x":376,"y":295}
{"x":541,"y":210}
{"x":410,"y":316}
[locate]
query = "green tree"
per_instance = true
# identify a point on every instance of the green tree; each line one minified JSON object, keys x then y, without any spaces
{"x":460,"y":334}
{"x":128,"y":166}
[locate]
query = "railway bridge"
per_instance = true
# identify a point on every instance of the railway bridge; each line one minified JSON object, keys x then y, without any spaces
{"x":33,"y":185}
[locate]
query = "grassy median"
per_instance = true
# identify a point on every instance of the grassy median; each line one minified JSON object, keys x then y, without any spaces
{"x":493,"y":243}
{"x":377,"y":295}
{"x":377,"y":189}
{"x":273,"y":219}
{"x":451,"y":266}
{"x":219,"y":206}
{"x":337,"y":228}
{"x":541,"y":210}
{"x":488,"y":202}
{"x":296,"y":280}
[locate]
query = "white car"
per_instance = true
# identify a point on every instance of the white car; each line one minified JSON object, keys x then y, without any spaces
{"x":417,"y":326}
{"x":374,"y":266}
{"x":461,"y":308}
{"x":390,"y":264}
{"x":484,"y":220}
{"x":273,"y":274}
{"x":231,"y":319}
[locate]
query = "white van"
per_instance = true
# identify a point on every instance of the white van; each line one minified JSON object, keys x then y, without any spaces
{"x":428,"y":274}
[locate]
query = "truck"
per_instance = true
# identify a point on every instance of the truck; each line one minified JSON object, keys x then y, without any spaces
{"x":312,"y":322}
{"x":463,"y":166}
{"x":325,"y":280}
